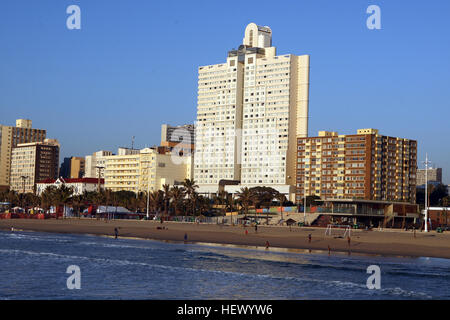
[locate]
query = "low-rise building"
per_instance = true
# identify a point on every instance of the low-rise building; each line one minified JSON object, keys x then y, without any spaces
{"x":79,"y":185}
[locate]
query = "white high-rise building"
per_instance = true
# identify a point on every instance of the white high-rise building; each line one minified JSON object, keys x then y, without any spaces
{"x":250,"y":111}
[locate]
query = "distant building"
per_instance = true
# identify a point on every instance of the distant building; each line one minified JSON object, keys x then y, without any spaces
{"x":365,"y":165}
{"x":123,"y":151}
{"x":10,"y":137}
{"x":72,"y":168}
{"x":149,"y":169}
{"x":32,"y":162}
{"x":439,"y":216}
{"x":182,"y":137}
{"x":79,"y":185}
{"x":94,"y":163}
{"x":434,"y":176}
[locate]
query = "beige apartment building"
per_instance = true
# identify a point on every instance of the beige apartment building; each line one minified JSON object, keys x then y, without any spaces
{"x":95,"y":163}
{"x":365,"y":165}
{"x":251,"y":109}
{"x":77,"y":167}
{"x":32,"y":163}
{"x":150,"y":169}
{"x":10,"y":137}
{"x":434,"y":175}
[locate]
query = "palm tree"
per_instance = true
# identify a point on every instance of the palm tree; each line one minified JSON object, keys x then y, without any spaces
{"x":177,"y":194}
{"x":64,"y":195}
{"x":190,"y":186}
{"x":13,"y":198}
{"x":77,"y":202}
{"x":155,"y":200}
{"x":48,"y":197}
{"x":166,"y":198}
{"x":204,"y":204}
{"x":281,"y":198}
{"x":245,"y":197}
{"x":98,"y":199}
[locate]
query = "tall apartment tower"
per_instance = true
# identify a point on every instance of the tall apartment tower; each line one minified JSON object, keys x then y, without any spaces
{"x":34,"y":162}
{"x":251,"y":109}
{"x":365,"y":165}
{"x":10,"y":137}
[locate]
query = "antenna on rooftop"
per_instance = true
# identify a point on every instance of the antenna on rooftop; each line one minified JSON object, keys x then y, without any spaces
{"x":132,"y":143}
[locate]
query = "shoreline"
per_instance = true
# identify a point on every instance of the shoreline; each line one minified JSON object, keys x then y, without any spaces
{"x":281,"y":238}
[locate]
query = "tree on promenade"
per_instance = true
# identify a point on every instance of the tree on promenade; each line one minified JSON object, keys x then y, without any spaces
{"x":281,"y":199}
{"x":156,"y":200}
{"x":10,"y":196}
{"x":63,"y":196}
{"x":177,"y":195}
{"x":203,"y":204}
{"x":166,"y":198}
{"x":245,"y":198}
{"x":190,"y":186}
{"x":263,"y":197}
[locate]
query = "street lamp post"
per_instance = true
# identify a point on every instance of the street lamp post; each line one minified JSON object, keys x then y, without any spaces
{"x":99,"y":168}
{"x":426,"y":191}
{"x":304,"y":201}
{"x":148,"y":190}
{"x":23,"y":189}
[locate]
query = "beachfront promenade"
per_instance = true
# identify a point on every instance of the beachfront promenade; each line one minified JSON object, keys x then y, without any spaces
{"x":385,"y":242}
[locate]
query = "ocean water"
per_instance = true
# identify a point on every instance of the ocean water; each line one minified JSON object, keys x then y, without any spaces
{"x":33,"y":265}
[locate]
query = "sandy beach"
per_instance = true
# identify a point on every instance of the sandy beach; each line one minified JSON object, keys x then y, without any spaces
{"x":387,"y":242}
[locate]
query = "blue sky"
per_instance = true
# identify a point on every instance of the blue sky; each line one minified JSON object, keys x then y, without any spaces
{"x":97,"y":87}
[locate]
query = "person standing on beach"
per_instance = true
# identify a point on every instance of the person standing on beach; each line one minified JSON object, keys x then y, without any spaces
{"x":116,"y":233}
{"x":309,"y":238}
{"x":256,"y":228}
{"x":185,"y":237}
{"x":267,"y":244}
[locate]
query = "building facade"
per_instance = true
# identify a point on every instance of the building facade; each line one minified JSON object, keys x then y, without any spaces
{"x":79,"y":185}
{"x":365,"y":165}
{"x":433,"y":176}
{"x":180,"y":137}
{"x":94,"y":164}
{"x":73,"y":168}
{"x":33,"y":162}
{"x":251,"y":109}
{"x":10,"y":137}
{"x":149,"y":170}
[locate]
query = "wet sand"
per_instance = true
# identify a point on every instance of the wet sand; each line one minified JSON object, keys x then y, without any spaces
{"x":387,"y":242}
